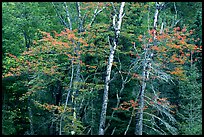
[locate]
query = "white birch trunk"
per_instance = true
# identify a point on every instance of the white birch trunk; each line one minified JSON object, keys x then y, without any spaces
{"x":108,"y":71}
{"x":145,"y":76}
{"x":68,"y":16}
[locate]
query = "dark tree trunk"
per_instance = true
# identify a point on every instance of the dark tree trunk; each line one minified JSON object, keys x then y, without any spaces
{"x":27,"y":40}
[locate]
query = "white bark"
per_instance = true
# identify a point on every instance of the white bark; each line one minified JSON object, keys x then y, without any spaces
{"x":108,"y":71}
{"x":155,"y":21}
{"x":79,"y":17}
{"x":145,"y":75}
{"x":162,"y":28}
{"x":68,"y":16}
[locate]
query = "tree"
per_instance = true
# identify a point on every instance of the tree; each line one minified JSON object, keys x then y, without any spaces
{"x":190,"y":103}
{"x":113,"y":44}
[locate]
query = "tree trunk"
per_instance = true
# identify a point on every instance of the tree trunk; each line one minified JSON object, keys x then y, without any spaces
{"x":145,"y":75}
{"x":108,"y":71}
{"x":139,"y":116}
{"x":30,"y":117}
{"x":27,"y":40}
{"x":77,"y":67}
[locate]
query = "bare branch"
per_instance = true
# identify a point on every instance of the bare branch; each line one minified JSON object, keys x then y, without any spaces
{"x":113,"y":131}
{"x":129,"y":123}
{"x":171,"y":129}
{"x":96,"y":12}
{"x":60,"y":17}
{"x":110,"y":45}
{"x":153,"y":129}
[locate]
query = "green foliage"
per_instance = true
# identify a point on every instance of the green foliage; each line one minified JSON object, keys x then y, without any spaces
{"x":60,"y":61}
{"x":190,"y":110}
{"x":8,"y":127}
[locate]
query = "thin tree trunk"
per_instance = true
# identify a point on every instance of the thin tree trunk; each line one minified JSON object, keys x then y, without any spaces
{"x":108,"y":71}
{"x":68,"y":16}
{"x":145,"y":74}
{"x":78,"y":67}
{"x":68,"y":93}
{"x":139,"y":116}
{"x":30,"y":117}
{"x":76,"y":79}
{"x":27,"y":40}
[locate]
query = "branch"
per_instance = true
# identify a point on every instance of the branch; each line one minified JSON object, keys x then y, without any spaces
{"x":114,"y":26}
{"x":153,"y":129}
{"x":162,"y":28}
{"x":68,"y":16}
{"x":175,"y":10}
{"x":60,"y":17}
{"x":114,"y":8}
{"x":176,"y":21}
{"x":129,"y":123}
{"x":96,"y":12}
{"x":113,"y":131}
{"x":171,"y":129}
{"x":113,"y":77}
{"x":110,"y":46}
{"x":79,"y":16}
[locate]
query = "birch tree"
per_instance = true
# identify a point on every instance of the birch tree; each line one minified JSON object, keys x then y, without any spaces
{"x":150,"y":68}
{"x":113,"y":44}
{"x":81,"y":19}
{"x":145,"y":74}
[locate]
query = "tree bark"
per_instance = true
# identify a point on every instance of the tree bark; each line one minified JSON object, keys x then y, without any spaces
{"x":108,"y":71}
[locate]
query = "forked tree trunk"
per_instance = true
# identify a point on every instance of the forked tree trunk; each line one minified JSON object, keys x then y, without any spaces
{"x":108,"y":71}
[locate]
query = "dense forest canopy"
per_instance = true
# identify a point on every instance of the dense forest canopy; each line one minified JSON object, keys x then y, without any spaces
{"x":101,"y":68}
